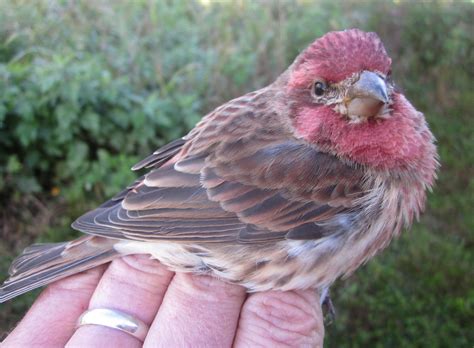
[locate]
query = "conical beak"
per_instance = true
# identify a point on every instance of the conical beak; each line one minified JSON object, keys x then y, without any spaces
{"x":367,"y":96}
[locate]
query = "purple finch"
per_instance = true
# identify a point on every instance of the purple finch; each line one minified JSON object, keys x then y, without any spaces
{"x":287,"y":187}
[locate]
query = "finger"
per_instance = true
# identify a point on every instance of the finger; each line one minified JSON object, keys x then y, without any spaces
{"x":276,"y":318}
{"x":51,"y":320}
{"x":133,"y":284}
{"x":198,"y":311}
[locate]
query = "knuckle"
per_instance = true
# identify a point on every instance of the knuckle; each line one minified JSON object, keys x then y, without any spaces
{"x":209,"y":288}
{"x":144,"y":264}
{"x":84,"y":282}
{"x":139,"y":271}
{"x":282,"y":318}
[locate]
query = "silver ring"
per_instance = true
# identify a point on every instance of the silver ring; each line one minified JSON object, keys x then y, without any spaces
{"x":116,"y":320}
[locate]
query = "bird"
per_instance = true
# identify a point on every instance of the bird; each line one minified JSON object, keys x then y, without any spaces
{"x":291,"y":186}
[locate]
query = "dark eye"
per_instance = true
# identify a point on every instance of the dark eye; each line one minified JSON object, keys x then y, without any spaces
{"x":319,"y":88}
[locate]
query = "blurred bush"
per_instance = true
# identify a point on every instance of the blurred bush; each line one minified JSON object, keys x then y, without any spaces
{"x":88,"y":88}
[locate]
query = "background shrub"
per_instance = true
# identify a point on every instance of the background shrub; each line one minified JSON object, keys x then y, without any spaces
{"x":89,"y":88}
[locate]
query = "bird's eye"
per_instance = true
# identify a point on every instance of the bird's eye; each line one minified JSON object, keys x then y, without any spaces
{"x":319,"y":88}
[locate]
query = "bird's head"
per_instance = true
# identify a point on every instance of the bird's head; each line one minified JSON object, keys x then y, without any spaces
{"x":341,"y":98}
{"x":347,"y":71}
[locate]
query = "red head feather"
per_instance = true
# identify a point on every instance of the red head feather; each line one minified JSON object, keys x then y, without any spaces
{"x":400,"y":142}
{"x":338,"y":55}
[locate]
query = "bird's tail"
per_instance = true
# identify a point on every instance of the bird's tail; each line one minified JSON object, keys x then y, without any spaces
{"x":41,"y":264}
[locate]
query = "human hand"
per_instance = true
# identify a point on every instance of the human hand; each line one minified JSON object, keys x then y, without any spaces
{"x":181,"y":309}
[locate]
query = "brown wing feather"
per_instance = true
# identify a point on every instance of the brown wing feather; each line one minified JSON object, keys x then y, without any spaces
{"x":239,"y":176}
{"x":161,"y":155}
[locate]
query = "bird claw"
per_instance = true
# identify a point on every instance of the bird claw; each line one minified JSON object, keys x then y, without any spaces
{"x":328,"y":310}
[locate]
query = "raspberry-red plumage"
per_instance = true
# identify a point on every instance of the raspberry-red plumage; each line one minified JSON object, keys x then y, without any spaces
{"x":338,"y":55}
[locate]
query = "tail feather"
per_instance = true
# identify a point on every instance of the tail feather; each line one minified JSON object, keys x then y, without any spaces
{"x":34,"y":256}
{"x":41,"y":264}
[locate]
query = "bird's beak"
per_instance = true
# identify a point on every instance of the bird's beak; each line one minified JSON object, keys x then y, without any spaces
{"x":367,"y":95}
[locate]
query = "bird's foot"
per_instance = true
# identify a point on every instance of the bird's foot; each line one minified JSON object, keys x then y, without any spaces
{"x":329,"y":311}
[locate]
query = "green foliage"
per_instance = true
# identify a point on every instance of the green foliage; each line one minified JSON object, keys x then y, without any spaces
{"x":89,"y":88}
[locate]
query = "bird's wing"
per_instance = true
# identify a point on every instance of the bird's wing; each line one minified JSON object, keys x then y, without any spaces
{"x":237,"y":177}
